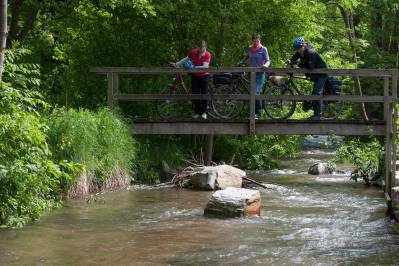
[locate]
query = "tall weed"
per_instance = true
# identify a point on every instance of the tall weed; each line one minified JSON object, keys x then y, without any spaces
{"x":100,"y":140}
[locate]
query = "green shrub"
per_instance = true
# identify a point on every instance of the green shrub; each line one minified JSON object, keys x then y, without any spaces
{"x":30,"y":181}
{"x":257,"y":152}
{"x":154,"y":149}
{"x":99,"y":140}
{"x":367,"y":156}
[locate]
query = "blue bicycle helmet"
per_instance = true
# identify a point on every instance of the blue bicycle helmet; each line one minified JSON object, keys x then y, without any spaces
{"x":299,"y":41}
{"x":188,"y":64}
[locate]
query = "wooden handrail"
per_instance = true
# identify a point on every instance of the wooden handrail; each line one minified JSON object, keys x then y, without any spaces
{"x":182,"y":97}
{"x":275,"y":71}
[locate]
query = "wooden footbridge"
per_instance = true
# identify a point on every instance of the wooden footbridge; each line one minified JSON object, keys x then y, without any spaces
{"x":386,"y":128}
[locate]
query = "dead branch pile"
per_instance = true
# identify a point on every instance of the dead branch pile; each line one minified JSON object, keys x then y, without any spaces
{"x":182,"y":179}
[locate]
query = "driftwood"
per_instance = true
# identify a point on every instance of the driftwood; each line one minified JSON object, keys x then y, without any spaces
{"x":255,"y":182}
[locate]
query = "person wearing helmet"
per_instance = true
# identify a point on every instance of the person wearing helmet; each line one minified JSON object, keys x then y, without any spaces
{"x":198,"y":57}
{"x":306,"y":57}
{"x":259,"y":57}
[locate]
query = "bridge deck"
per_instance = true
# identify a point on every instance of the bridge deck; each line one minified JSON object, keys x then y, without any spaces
{"x":262,"y":127}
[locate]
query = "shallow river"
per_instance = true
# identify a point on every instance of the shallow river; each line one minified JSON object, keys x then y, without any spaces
{"x":306,"y":220}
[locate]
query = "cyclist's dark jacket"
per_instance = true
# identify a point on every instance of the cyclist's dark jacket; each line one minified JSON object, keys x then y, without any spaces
{"x":310,"y":60}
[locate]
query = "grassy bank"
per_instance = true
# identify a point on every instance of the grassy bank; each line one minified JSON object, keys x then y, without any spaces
{"x":45,"y":157}
{"x":100,"y":141}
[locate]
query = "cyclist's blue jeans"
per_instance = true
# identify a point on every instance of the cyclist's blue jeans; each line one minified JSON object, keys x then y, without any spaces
{"x":260,"y":80}
{"x":318,"y":89}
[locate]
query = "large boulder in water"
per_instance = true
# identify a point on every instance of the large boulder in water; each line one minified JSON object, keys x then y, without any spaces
{"x":234,"y":202}
{"x":320,"y":169}
{"x":216,"y":177}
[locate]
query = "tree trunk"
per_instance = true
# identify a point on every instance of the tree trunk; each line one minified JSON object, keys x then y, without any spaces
{"x":348,"y":20}
{"x":14,"y":22}
{"x":222,"y":30}
{"x":30,"y":20}
{"x":19,"y":32}
{"x":3,"y":34}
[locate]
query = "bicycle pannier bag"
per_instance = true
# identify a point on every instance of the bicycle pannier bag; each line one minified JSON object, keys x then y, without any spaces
{"x":333,"y":86}
{"x":224,"y":78}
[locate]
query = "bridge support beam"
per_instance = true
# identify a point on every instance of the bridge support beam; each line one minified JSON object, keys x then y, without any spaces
{"x":388,"y":145}
{"x":209,"y":149}
{"x":252,"y":104}
{"x":394,"y":183}
{"x":113,"y":89}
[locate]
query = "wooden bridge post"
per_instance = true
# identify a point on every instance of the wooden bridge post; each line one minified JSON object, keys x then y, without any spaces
{"x":388,"y":143}
{"x":252,"y":103}
{"x":113,"y":88}
{"x":394,"y":127}
{"x":209,"y":149}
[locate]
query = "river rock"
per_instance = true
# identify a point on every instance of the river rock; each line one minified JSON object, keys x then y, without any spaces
{"x":234,"y":202}
{"x":217,"y":177}
{"x":320,"y":169}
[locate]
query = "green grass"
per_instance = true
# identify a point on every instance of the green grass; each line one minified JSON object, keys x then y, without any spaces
{"x":101,"y":141}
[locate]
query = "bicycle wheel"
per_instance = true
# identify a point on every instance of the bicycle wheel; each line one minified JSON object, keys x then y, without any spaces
{"x":279,"y":109}
{"x":227,"y":109}
{"x":169,"y":108}
{"x":210,"y":110}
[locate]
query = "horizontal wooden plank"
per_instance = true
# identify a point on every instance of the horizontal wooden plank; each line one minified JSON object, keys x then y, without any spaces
{"x":149,"y":97}
{"x":276,"y":71}
{"x":344,"y":98}
{"x":292,"y":127}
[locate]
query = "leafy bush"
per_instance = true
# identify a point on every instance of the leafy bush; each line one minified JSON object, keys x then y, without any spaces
{"x":99,"y":140}
{"x":257,"y":152}
{"x":367,"y":156}
{"x":153,"y":150}
{"x":18,"y":72}
{"x":35,"y":175}
{"x":30,"y":181}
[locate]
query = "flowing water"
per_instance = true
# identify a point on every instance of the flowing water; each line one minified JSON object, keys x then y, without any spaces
{"x":306,"y":220}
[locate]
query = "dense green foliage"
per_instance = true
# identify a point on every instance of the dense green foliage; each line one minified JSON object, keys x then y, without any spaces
{"x":366,"y":155}
{"x":30,"y":180}
{"x":257,"y":152}
{"x":37,"y":171}
{"x":153,"y":150}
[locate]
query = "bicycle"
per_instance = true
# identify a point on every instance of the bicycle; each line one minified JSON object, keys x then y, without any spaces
{"x":234,"y":83}
{"x":229,"y":83}
{"x":168,"y":109}
{"x":283,"y":109}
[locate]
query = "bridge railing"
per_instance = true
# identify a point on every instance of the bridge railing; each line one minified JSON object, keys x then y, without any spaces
{"x":388,"y":97}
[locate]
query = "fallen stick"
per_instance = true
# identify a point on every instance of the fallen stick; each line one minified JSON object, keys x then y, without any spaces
{"x":164,"y":184}
{"x":192,"y":164}
{"x":255,"y":182}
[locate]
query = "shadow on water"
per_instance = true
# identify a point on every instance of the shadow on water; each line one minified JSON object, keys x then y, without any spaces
{"x":306,"y":220}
